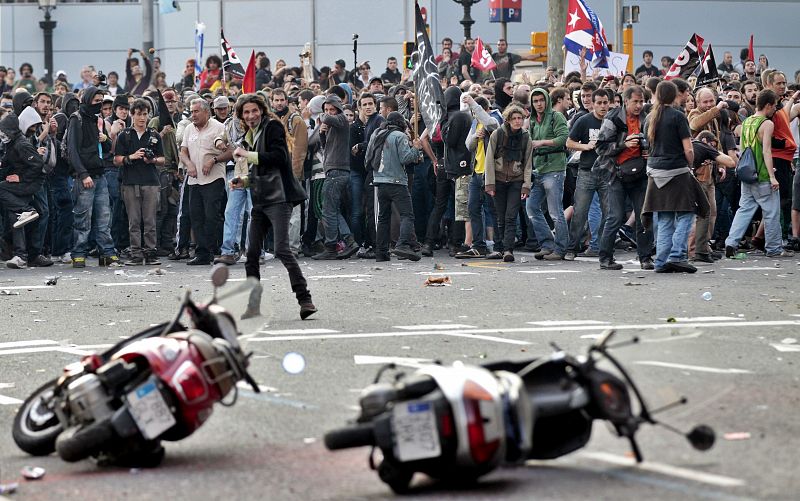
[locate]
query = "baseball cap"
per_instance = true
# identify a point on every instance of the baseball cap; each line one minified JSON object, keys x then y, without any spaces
{"x":221,"y":102}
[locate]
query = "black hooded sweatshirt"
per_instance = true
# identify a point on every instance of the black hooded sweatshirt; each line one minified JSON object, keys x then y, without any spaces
{"x":455,"y":128}
{"x":87,"y":156}
{"x":501,"y":99}
{"x":21,"y":158}
{"x":21,"y":100}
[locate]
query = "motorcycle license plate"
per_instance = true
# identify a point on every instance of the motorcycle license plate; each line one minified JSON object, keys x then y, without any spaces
{"x":415,"y":431}
{"x":149,"y":410}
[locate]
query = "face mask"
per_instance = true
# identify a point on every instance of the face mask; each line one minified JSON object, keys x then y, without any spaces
{"x":95,"y":109}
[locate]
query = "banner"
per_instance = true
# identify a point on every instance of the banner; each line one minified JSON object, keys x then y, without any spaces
{"x":481,"y":58}
{"x":230,"y":61}
{"x":427,"y":87}
{"x":688,"y":60}
{"x":707,"y":72}
{"x":617,"y":64}
{"x":584,"y":29}
{"x":199,"y":35}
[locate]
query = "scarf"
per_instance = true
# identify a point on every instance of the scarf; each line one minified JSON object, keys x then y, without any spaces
{"x":513,"y":146}
{"x":394,"y":122}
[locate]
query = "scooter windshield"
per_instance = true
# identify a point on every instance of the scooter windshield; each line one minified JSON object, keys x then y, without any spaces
{"x":235,"y":297}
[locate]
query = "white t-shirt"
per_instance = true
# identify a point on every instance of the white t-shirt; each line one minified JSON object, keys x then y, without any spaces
{"x":201,"y":143}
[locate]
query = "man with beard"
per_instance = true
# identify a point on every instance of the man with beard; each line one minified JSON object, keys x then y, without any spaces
{"x":274,"y":189}
{"x":392,"y":75}
{"x":506,"y":60}
{"x":465,"y":69}
{"x":749,"y":93}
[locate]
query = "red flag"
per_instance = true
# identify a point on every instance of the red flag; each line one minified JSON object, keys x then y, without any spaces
{"x":750,"y":53}
{"x":481,"y":58}
{"x":249,"y":83}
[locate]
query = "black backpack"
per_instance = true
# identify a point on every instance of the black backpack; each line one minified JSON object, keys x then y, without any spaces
{"x":64,"y":150}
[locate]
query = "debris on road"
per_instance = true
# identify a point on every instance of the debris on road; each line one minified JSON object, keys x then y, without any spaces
{"x":5,"y":292}
{"x":156,"y":271}
{"x":437,"y":281}
{"x":739,"y":435}
{"x":438,"y":266}
{"x":671,"y":320}
{"x":309,"y":440}
{"x":51,"y":281}
{"x":632,"y":284}
{"x":10,"y":488}
{"x":707,"y":296}
{"x":33,"y":472}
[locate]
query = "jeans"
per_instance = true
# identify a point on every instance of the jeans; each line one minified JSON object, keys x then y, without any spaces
{"x":550,"y":187}
{"x":141,"y":204}
{"x":616,"y":217}
{"x":398,"y":195}
{"x":506,"y":202}
{"x":183,"y":235}
{"x":445,"y":194}
{"x":705,"y":225}
{"x":423,"y":190}
{"x":369,"y":202}
{"x":239,"y":202}
{"x":357,"y":188}
{"x":587,"y":185}
{"x":673,"y":237}
{"x":754,"y":196}
{"x":92,"y":211}
{"x":475,"y":204}
{"x":596,"y":218}
{"x":275,"y":216}
{"x":335,"y":198}
{"x":207,"y":222}
{"x":61,"y":214}
{"x":727,"y":199}
{"x":167,"y":217}
{"x":40,"y":203}
{"x":119,"y":215}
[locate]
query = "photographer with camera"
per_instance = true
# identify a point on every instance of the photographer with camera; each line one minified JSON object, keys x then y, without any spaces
{"x":138,"y":153}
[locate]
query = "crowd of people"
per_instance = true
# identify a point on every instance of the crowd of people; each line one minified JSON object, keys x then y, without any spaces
{"x":334,"y":164}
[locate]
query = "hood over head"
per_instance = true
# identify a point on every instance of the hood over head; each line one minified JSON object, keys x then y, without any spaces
{"x":28,"y":118}
{"x":548,"y":104}
{"x":348,"y":91}
{"x":396,"y":120}
{"x":452,"y":99}
{"x":334,"y":100}
{"x":87,"y":108}
{"x":315,"y":106}
{"x":9,"y":128}
{"x":69,"y":103}
{"x":20,"y":100}
{"x":501,"y":98}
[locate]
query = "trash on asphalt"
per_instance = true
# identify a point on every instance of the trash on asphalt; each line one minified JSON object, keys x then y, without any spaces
{"x":33,"y":472}
{"x":738,"y":435}
{"x":9,"y":488}
{"x":293,"y":363}
{"x":671,"y":320}
{"x":707,"y":296}
{"x":309,"y":440}
{"x":438,"y":266}
{"x":51,"y":281}
{"x":5,"y":292}
{"x":777,"y":300}
{"x":437,"y":281}
{"x":740,"y":256}
{"x":632,"y":284}
{"x":156,"y":271}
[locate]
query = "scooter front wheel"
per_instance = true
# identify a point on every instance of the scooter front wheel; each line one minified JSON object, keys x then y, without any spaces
{"x":36,"y":426}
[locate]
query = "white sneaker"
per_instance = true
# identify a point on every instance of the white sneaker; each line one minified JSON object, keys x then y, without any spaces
{"x":267,"y":256}
{"x":66,"y":258}
{"x":242,"y":258}
{"x":17,"y":263}
{"x":25,"y":218}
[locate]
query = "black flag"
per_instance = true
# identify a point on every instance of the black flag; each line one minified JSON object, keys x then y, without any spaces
{"x":164,"y":116}
{"x":230,"y":61}
{"x":426,"y":77}
{"x":707,"y":71}
{"x":688,"y":59}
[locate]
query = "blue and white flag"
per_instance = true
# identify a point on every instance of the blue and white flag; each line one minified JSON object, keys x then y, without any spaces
{"x":199,"y":35}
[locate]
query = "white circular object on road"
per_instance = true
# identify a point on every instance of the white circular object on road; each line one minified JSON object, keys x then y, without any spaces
{"x":293,"y":363}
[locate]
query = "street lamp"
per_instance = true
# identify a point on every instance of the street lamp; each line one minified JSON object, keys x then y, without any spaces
{"x":48,"y":25}
{"x":467,"y":21}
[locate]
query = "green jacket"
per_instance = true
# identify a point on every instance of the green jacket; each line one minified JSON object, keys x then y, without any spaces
{"x":552,"y":126}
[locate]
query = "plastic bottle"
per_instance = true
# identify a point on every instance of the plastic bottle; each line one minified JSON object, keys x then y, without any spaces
{"x":707,"y":296}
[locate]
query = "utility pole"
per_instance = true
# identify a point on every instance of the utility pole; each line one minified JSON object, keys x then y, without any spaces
{"x":618,"y":26}
{"x":557,"y":28}
{"x":147,"y":27}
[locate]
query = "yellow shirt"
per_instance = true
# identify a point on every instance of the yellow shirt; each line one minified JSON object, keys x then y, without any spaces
{"x":480,"y":153}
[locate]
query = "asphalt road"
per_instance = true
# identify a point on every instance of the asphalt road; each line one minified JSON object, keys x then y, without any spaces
{"x":734,"y":356}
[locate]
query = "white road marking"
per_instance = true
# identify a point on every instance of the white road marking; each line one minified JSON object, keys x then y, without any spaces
{"x":90,"y":346}
{"x":697,"y":368}
{"x":432,"y":327}
{"x":442,"y":273}
{"x":402,"y":361}
{"x":318,"y":277}
{"x":4,"y":400}
{"x":264,"y":388}
{"x":541,"y":272}
{"x":123,"y":284}
{"x":786,"y":348}
{"x":754,"y":268}
{"x":366,"y":335}
{"x":673,"y":338}
{"x":552,"y":323}
{"x":33,"y":342}
{"x":25,"y":287}
{"x":704,"y":319}
{"x":592,"y":336}
{"x":486,"y":338}
{"x":665,"y":469}
{"x":299,"y":331}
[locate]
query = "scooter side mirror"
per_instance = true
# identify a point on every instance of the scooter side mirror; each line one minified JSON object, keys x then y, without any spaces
{"x":701,"y":437}
{"x":219,"y":275}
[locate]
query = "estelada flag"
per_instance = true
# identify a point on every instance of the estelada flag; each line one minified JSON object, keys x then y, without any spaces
{"x":481,"y":58}
{"x":249,"y":82}
{"x":230,"y":61}
{"x":688,"y":60}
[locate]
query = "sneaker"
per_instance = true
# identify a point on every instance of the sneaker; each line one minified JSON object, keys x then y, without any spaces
{"x":124,"y":253}
{"x":406,"y":252}
{"x":716,"y":256}
{"x":783,"y":253}
{"x":242,"y":258}
{"x":163,"y":252}
{"x":197,"y":261}
{"x":647,"y":264}
{"x":326,"y":255}
{"x":362,"y":253}
{"x":66,"y":258}
{"x":109,"y":261}
{"x":25,"y":218}
{"x":495,"y":255}
{"x":40,"y":262}
{"x":553,"y":256}
{"x":152,"y":260}
{"x":681,"y":267}
{"x":532,"y":248}
{"x":542,"y":253}
{"x":625,"y":232}
{"x":427,"y":250}
{"x":307,"y":309}
{"x":79,"y":262}
{"x":589,"y":253}
{"x":703,"y":258}
{"x":349,"y":250}
{"x":569,"y":256}
{"x":228,"y":259}
{"x":611,"y":265}
{"x":382,"y":258}
{"x":508,"y":257}
{"x":730,"y":252}
{"x":665,"y":269}
{"x":472,"y":253}
{"x":792,"y":244}
{"x":16,"y":263}
{"x":179,"y":255}
{"x":134,"y":261}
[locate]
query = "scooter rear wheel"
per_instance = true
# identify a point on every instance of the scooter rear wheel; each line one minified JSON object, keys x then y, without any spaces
{"x":35,"y":426}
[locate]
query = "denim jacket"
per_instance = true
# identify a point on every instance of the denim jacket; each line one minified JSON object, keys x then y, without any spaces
{"x":397,"y":153}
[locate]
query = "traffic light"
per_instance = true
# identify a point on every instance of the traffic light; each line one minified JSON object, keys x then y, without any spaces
{"x":408,"y":49}
{"x":539,"y":45}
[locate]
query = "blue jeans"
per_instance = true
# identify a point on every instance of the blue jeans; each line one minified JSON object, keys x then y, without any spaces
{"x":754,"y":196}
{"x":548,"y":187}
{"x":587,"y":186}
{"x":119,"y":216}
{"x":595,"y":222}
{"x":62,"y":214}
{"x":475,"y":206}
{"x":616,"y":216}
{"x":357,"y":206}
{"x":92,"y":212}
{"x":673,"y":237}
{"x":40,"y":203}
{"x":422,"y":196}
{"x":239,"y":201}
{"x":335,"y":197}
